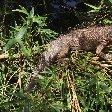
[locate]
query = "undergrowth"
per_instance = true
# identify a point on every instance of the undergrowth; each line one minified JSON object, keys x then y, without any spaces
{"x":90,"y":81}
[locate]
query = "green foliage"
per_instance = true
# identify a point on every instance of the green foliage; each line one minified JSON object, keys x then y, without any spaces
{"x":106,"y":21}
{"x":92,"y":82}
{"x":23,"y":33}
{"x":110,"y":1}
{"x":101,"y":13}
{"x":94,"y":85}
{"x":94,"y":8}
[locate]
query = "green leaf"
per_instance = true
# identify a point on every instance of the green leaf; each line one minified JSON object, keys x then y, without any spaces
{"x":93,"y":7}
{"x":94,"y":11}
{"x":26,"y":52}
{"x":23,"y":10}
{"x":13,"y":41}
{"x":10,"y":43}
{"x":110,"y":1}
{"x":32,"y":13}
{"x":40,"y":20}
{"x":57,"y":106}
{"x":107,"y":21}
{"x":28,"y":21}
{"x":21,"y":32}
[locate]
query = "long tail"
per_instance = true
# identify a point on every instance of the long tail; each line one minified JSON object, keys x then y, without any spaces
{"x":53,"y":50}
{"x":83,"y":38}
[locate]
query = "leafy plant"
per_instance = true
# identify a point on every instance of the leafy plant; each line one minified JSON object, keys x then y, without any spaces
{"x":101,"y":13}
{"x":25,"y":31}
{"x":91,"y":81}
{"x":94,"y":8}
{"x":110,"y":1}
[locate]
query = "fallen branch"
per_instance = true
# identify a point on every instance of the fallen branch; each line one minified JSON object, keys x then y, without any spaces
{"x":5,"y":56}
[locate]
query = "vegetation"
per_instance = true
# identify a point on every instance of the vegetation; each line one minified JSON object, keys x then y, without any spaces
{"x":82,"y":77}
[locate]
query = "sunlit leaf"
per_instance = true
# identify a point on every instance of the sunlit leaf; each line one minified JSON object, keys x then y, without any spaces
{"x":93,"y":11}
{"x":93,"y":7}
{"x":107,"y":21}
{"x":110,"y":1}
{"x":23,"y":10}
{"x":28,"y":21}
{"x":10,"y":43}
{"x":39,"y":20}
{"x":32,"y":13}
{"x":21,"y":32}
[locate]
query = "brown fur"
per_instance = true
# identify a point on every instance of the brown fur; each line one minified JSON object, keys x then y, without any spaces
{"x":91,"y":38}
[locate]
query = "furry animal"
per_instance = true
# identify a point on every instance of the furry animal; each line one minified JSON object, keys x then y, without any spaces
{"x":89,"y":39}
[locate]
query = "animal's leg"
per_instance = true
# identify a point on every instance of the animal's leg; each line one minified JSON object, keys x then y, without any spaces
{"x":100,"y":53}
{"x":61,"y":57}
{"x":63,"y":52}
